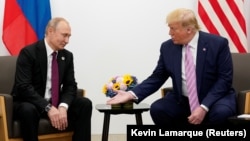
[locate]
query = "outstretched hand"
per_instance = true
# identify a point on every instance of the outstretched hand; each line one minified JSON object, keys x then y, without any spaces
{"x":120,"y":97}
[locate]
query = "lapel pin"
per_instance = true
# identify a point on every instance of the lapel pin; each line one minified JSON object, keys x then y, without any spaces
{"x":204,"y":49}
{"x":63,"y":58}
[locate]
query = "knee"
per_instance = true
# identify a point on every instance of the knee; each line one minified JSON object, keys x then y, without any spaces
{"x":156,"y":110}
{"x":86,"y":104}
{"x":155,"y":107}
{"x":223,"y":111}
{"x":27,"y":110}
{"x":220,"y":114}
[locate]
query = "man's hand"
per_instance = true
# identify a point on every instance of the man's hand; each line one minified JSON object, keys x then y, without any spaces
{"x":63,"y":117}
{"x":58,"y":117}
{"x":121,"y":97}
{"x":197,"y":116}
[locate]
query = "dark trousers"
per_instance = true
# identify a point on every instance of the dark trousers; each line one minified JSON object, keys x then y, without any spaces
{"x":170,"y":111}
{"x":79,"y":117}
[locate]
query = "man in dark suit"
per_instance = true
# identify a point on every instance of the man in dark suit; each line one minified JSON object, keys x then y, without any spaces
{"x":32,"y":89}
{"x":214,"y":73}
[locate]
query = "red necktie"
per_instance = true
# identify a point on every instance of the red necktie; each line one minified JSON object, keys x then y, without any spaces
{"x":54,"y":80}
{"x":191,"y":79}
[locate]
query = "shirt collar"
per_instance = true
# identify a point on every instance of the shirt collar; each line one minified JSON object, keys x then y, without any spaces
{"x":194,"y":42}
{"x":48,"y":48}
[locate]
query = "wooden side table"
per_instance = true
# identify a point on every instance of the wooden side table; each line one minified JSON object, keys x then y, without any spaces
{"x":137,"y":109}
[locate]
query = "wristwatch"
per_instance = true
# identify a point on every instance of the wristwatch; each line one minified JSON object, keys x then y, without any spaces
{"x":48,"y":107}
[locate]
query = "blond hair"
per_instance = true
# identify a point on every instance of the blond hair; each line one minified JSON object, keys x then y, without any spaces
{"x":184,"y":16}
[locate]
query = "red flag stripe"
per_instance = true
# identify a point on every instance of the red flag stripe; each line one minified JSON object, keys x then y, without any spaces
{"x":13,"y":33}
{"x":206,"y":20}
{"x":226,"y":19}
{"x":223,"y":18}
{"x":238,"y":14}
{"x":22,"y":27}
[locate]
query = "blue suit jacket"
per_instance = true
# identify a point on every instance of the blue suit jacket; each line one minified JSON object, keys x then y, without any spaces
{"x":214,"y":71}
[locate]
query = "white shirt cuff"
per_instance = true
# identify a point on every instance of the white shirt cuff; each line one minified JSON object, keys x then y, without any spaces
{"x":204,"y":107}
{"x":64,"y":105}
{"x":133,"y":94}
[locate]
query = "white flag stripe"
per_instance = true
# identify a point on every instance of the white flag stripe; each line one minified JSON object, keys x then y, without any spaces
{"x":231,"y":19}
{"x":240,"y":32}
{"x":216,"y":21}
{"x":214,"y":18}
{"x":240,"y":3}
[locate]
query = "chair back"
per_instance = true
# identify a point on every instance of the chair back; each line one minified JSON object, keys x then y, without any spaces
{"x":7,"y":73}
{"x":241,"y":68}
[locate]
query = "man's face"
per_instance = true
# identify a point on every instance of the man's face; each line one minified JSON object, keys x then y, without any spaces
{"x":178,"y":33}
{"x":59,"y":37}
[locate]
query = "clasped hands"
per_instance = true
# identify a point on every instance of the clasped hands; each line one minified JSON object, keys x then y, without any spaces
{"x":58,"y":117}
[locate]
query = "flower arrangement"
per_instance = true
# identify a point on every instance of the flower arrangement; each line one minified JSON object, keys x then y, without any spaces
{"x":121,"y":82}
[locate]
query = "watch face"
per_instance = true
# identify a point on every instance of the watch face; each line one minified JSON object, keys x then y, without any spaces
{"x":48,"y":107}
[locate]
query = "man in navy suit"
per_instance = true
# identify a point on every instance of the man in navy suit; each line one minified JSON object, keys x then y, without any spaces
{"x":32,"y":89}
{"x":214,"y":73}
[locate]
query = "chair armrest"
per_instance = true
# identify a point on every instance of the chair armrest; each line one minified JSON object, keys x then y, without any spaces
{"x":165,"y":90}
{"x":243,"y":102}
{"x":8,"y":104}
{"x":80,"y":92}
{"x":6,"y":112}
{"x":1,"y":106}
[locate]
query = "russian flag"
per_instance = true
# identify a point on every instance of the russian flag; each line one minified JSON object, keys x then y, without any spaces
{"x":24,"y":23}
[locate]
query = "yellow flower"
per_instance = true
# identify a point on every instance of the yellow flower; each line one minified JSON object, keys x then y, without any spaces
{"x":104,"y":89}
{"x":116,"y":86}
{"x":119,"y":82}
{"x":127,"y":79}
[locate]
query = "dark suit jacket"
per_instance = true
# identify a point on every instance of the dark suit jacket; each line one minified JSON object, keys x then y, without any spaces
{"x":214,"y":71}
{"x":31,"y":74}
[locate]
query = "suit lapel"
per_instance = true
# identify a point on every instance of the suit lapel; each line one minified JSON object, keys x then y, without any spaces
{"x":42,"y":57}
{"x":178,"y":66}
{"x":200,"y":60}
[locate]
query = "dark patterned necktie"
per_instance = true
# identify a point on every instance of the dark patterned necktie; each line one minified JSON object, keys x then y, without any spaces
{"x":54,"y":80}
{"x":191,"y":79}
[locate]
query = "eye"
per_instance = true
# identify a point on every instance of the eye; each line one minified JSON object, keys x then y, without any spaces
{"x":66,"y":35}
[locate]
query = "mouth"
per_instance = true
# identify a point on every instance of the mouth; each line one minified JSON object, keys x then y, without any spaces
{"x":63,"y":45}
